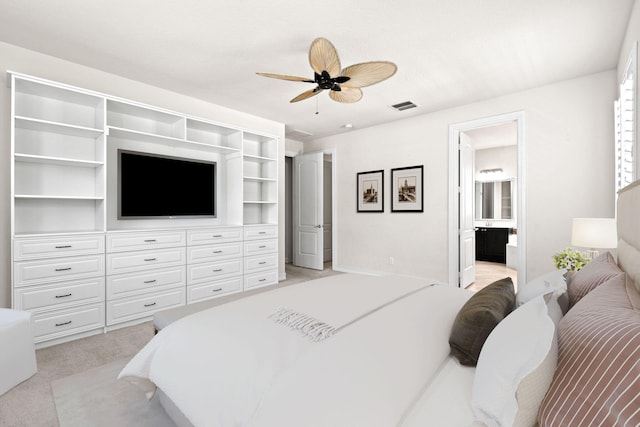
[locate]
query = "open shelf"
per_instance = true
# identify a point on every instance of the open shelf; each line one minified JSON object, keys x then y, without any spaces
{"x":145,"y":120}
{"x":115,"y":132}
{"x":55,"y":127}
{"x":258,"y":179}
{"x":30,"y":158}
{"x":56,"y":197}
{"x":64,"y":106}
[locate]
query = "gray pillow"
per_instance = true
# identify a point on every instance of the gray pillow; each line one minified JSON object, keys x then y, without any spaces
{"x":591,"y":276}
{"x":477,"y":318}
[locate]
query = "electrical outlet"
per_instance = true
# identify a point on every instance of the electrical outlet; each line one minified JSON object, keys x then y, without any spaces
{"x":391,"y":260}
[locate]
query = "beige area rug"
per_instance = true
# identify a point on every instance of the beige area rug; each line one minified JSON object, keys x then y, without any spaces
{"x":97,"y":398}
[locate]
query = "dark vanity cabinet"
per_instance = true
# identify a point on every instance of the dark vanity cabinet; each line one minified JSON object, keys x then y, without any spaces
{"x":491,"y":244}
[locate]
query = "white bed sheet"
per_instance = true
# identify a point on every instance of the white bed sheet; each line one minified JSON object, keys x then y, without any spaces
{"x":369,"y":374}
{"x":446,"y":399}
{"x":230,"y":365}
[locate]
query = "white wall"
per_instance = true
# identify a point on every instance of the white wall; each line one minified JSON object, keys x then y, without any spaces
{"x":28,"y":62}
{"x":569,"y":172}
{"x":505,"y":158}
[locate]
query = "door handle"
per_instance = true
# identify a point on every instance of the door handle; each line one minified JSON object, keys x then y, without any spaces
{"x":318,"y":226}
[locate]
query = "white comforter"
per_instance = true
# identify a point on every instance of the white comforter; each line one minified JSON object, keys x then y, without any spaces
{"x":234,"y":366}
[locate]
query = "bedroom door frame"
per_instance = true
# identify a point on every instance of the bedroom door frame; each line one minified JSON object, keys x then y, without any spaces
{"x":454,"y":190}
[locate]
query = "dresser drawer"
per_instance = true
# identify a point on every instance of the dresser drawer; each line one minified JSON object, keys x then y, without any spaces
{"x":60,"y":323}
{"x":125,"y":309}
{"x":124,"y":285}
{"x":261,"y":262}
{"x":118,"y":242}
{"x":213,"y":252}
{"x":59,"y":295}
{"x":260,"y":247}
{"x":144,"y":260}
{"x":57,"y":247}
{"x":264,"y":278}
{"x":35,"y":272}
{"x":211,"y":290}
{"x":199,"y":273}
{"x":261,"y":232}
{"x":213,"y":235}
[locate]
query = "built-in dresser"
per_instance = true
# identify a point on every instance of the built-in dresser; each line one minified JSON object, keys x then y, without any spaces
{"x":78,"y":266}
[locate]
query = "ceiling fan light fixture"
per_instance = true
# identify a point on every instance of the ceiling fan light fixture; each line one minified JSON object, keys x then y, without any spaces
{"x":344,"y":85}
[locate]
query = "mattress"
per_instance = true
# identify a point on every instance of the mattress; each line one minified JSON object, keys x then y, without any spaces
{"x":233,"y":365}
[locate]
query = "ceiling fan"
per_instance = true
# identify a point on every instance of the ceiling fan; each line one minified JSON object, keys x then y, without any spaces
{"x":344,"y":84}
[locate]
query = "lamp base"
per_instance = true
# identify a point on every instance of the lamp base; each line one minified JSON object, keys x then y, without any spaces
{"x":592,"y":254}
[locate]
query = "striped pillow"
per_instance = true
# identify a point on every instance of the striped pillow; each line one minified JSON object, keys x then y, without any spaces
{"x":591,"y":276}
{"x":597,"y":381}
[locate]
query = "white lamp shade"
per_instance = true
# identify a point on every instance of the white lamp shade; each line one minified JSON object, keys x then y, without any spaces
{"x":594,"y":233}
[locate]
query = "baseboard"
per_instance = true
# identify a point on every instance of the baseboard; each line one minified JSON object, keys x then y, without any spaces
{"x":358,"y":271}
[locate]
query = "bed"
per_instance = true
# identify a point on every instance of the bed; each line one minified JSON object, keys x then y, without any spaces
{"x":355,"y":350}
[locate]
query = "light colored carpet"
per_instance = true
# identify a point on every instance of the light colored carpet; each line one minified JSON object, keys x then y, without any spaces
{"x":97,"y":398}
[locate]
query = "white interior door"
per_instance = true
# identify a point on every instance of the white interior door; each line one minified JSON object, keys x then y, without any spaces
{"x":307,"y":211}
{"x":467,"y":224}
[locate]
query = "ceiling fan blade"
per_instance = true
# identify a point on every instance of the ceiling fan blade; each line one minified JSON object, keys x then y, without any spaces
{"x":285,"y":77}
{"x":307,"y":94}
{"x":324,"y":57}
{"x":368,"y":73}
{"x":347,"y":95}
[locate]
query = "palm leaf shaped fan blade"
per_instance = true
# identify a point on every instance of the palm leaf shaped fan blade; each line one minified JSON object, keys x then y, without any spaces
{"x":324,"y":57}
{"x":307,"y":94}
{"x":368,"y":73}
{"x":346,"y":95}
{"x":344,"y":85}
{"x":285,"y":77}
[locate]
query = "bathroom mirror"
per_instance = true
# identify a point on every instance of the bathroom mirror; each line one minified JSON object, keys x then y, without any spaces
{"x":494,"y":199}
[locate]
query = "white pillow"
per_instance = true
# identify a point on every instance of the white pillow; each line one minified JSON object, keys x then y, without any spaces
{"x":522,"y":347}
{"x":554,"y":281}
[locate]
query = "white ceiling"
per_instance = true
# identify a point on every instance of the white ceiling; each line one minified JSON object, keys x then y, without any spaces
{"x":448,"y":53}
{"x":502,"y":135}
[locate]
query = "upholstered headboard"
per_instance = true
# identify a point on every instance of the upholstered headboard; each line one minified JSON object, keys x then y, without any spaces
{"x":629,"y":231}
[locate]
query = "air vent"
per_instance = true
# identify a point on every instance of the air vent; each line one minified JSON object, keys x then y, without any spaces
{"x":296,"y":133}
{"x":404,"y":106}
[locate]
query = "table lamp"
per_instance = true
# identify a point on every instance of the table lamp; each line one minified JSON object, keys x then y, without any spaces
{"x":594,"y":233}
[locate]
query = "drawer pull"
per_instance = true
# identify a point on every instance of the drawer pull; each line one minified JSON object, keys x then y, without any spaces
{"x":262,"y":232}
{"x":150,"y":281}
{"x":262,"y":280}
{"x":63,"y":296}
{"x":218,"y":270}
{"x":63,"y":247}
{"x":217,"y":252}
{"x":64,"y":323}
{"x":63,"y":269}
{"x":151,"y":259}
{"x":217,"y":289}
{"x":217,"y":236}
{"x":262,"y":246}
{"x":150,"y":305}
{"x":262,"y":262}
{"x":150,"y":240}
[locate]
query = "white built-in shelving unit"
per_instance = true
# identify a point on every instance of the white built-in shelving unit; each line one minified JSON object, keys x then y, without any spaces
{"x":77,"y":266}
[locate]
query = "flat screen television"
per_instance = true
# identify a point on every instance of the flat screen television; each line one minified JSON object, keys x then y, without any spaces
{"x":158,"y":186}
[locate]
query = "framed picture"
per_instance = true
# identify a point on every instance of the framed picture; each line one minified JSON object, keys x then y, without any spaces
{"x":407,"y":189}
{"x":370,"y":191}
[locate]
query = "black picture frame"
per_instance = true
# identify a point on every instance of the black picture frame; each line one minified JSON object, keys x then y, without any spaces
{"x":370,"y":191}
{"x":407,"y":189}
